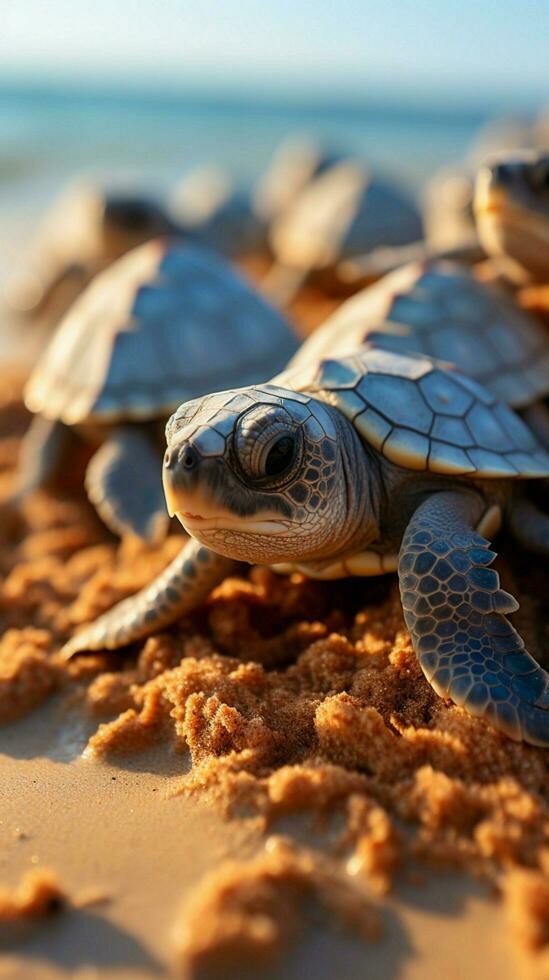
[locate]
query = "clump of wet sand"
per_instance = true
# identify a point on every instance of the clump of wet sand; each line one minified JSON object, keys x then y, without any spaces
{"x":290,"y":697}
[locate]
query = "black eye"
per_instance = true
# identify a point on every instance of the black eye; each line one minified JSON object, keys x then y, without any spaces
{"x":280,"y":456}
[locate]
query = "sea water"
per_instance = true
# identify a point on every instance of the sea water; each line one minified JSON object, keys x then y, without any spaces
{"x":52,"y":134}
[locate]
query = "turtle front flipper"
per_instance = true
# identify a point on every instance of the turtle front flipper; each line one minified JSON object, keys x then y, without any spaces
{"x":124,"y":483}
{"x":42,"y":452}
{"x":179,"y":589}
{"x":455,"y":611}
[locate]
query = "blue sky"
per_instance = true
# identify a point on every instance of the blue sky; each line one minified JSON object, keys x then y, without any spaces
{"x":406,"y":48}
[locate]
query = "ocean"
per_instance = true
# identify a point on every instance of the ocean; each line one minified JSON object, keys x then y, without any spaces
{"x":49,"y":134}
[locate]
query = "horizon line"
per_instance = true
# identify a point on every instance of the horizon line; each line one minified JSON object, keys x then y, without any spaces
{"x":267,"y":93}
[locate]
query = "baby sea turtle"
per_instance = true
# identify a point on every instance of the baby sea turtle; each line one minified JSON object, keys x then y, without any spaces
{"x":86,"y":229}
{"x":344,"y":212}
{"x":165,"y":322}
{"x":449,"y":193}
{"x":511,"y":210}
{"x":441,"y":310}
{"x":357,"y":466}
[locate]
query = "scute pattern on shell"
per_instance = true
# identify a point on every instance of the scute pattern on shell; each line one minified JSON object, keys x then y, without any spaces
{"x":423,"y":416}
{"x":164,"y":324}
{"x":441,"y":310}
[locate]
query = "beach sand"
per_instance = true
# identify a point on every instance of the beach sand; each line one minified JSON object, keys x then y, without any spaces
{"x":268,"y":789}
{"x":129,"y":854}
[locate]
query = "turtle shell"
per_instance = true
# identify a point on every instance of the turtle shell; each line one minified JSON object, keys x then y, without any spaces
{"x":424,"y":416}
{"x":164,"y":324}
{"x":441,"y":310}
{"x":343,"y":212}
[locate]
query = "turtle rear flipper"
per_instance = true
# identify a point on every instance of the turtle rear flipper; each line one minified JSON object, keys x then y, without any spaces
{"x":124,"y":483}
{"x":42,"y":452}
{"x":455,"y":611}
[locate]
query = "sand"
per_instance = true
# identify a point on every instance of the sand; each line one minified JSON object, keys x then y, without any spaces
{"x":270,"y":785}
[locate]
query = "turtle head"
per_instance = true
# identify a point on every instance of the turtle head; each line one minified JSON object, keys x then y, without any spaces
{"x":262,"y":474}
{"x":512,"y":210}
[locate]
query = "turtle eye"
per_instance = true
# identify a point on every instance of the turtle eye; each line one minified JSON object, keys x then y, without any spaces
{"x":266,"y":444}
{"x":280,"y":456}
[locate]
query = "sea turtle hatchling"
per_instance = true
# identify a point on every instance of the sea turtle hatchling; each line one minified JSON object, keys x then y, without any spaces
{"x":511,"y":211}
{"x":166,"y":322}
{"x":345,"y":211}
{"x":86,"y":229}
{"x":357,"y":466}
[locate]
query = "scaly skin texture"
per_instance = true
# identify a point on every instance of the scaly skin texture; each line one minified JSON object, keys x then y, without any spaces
{"x":183,"y":585}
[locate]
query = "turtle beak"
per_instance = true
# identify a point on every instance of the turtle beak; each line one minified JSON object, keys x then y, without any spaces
{"x":170,"y":493}
{"x":170,"y":481}
{"x":181,"y":463}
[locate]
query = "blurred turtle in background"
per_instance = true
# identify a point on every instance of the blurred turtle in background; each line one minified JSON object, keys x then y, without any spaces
{"x":166,"y":322}
{"x":448,"y":197}
{"x":517,"y":175}
{"x":345,"y":211}
{"x":86,"y":229}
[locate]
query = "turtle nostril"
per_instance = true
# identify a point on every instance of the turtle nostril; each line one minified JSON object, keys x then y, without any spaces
{"x":182,"y":457}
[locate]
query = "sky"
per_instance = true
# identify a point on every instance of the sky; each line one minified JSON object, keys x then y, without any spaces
{"x":465,"y":49}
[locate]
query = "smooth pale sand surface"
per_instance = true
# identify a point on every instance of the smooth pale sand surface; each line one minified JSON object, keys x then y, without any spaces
{"x":120,"y":832}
